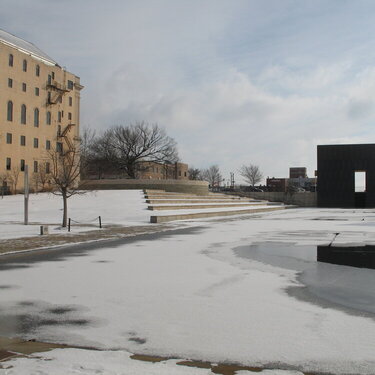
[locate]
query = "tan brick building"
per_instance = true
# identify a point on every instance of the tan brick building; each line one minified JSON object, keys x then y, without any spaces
{"x":158,"y":171}
{"x":39,"y":108}
{"x":148,"y":170}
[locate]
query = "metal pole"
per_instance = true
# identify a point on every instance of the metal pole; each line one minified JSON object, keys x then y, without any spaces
{"x":69,"y":225}
{"x":26,"y":195}
{"x":100,"y":222}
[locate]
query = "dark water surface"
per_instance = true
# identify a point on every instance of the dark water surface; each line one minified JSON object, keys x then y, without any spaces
{"x":340,"y":277}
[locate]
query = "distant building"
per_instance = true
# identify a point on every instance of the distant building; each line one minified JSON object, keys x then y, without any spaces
{"x":297,"y":179}
{"x":277,"y":184}
{"x":159,"y":171}
{"x":297,"y":172}
{"x":39,"y":108}
{"x":145,"y":170}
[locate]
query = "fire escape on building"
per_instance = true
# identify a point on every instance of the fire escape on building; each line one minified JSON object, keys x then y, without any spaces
{"x":58,"y":90}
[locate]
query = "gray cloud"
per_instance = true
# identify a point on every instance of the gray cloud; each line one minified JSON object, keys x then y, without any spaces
{"x":232,"y":82}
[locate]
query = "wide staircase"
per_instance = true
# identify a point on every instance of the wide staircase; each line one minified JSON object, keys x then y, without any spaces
{"x":180,"y":206}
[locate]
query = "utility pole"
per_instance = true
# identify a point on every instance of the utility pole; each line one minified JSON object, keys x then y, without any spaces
{"x":26,"y":195}
{"x":232,"y":180}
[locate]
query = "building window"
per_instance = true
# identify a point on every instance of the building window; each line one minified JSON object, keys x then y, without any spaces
{"x":10,"y":111}
{"x":23,"y":114}
{"x":59,"y":147}
{"x":22,"y":165}
{"x":10,"y":60}
{"x":70,"y":101}
{"x":49,"y":97}
{"x":24,"y":65}
{"x":49,"y":81}
{"x":48,"y":168}
{"x":36,"y":117}
{"x":37,"y":91}
{"x":23,"y":140}
{"x":35,"y":167}
{"x":53,"y":75}
{"x":24,"y":87}
{"x":58,"y":130}
{"x":59,"y":116}
{"x":9,"y":138}
{"x":185,"y":174}
{"x":10,"y":82}
{"x":69,"y":116}
{"x":48,"y":144}
{"x":37,"y":70}
{"x":48,"y":118}
{"x":8,"y":164}
{"x":70,"y":85}
{"x":36,"y":142}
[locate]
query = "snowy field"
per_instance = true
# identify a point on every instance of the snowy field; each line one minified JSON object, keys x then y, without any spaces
{"x":189,"y":294}
{"x":116,"y":207}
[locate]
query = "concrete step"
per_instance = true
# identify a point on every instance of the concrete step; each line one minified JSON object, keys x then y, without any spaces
{"x":195,"y":200}
{"x":202,"y":214}
{"x":191,"y":196}
{"x":200,"y":206}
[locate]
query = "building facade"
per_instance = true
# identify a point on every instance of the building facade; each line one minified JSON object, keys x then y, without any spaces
{"x":148,"y":170}
{"x":277,"y":184}
{"x":158,"y":171}
{"x":297,"y":172}
{"x":346,"y":176}
{"x":40,"y":109}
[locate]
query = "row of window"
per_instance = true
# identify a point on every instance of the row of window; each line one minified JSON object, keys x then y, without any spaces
{"x":8,"y":165}
{"x":36,"y":91}
{"x":23,"y":86}
{"x":9,"y":141}
{"x":51,"y":76}
{"x":24,"y":65}
{"x":60,"y":115}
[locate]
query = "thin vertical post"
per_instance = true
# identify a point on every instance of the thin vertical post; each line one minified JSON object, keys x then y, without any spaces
{"x":26,"y":195}
{"x":69,"y":225}
{"x":100,"y":222}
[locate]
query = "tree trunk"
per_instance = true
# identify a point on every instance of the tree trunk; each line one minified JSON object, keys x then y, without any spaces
{"x":65,"y":210}
{"x":131,"y":170}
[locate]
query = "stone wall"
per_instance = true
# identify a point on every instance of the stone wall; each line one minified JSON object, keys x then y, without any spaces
{"x":178,"y":186}
{"x":302,"y":199}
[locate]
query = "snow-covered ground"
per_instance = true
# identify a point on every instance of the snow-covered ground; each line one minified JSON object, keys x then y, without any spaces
{"x":116,"y":207}
{"x":190,"y":295}
{"x":86,"y":362}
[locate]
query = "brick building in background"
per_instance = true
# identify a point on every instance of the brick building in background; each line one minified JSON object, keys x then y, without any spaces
{"x":40,"y":107}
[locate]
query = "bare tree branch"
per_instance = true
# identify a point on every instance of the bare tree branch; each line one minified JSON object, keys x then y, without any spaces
{"x":65,"y":170}
{"x":251,"y":173}
{"x":125,"y":147}
{"x":213,"y":176}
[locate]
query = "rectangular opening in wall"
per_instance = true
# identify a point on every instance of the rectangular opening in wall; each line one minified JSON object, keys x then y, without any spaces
{"x":359,"y":181}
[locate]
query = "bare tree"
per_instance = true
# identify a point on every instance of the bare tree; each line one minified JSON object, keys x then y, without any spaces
{"x":3,"y":183}
{"x":251,"y":173}
{"x":100,"y":157}
{"x":88,"y":140}
{"x":194,"y":173}
{"x":139,"y":142}
{"x":12,"y":177}
{"x":65,"y":173}
{"x":212,"y":175}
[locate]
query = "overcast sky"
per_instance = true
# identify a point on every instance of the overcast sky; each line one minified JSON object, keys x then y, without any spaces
{"x":233,"y":82}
